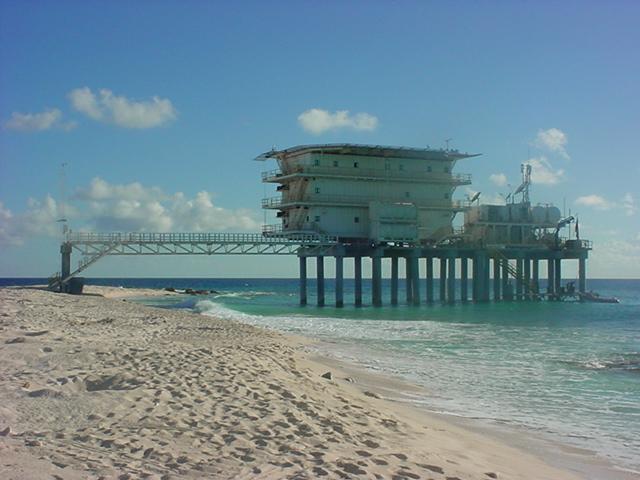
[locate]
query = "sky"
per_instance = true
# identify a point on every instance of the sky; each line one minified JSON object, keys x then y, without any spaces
{"x":158,"y":108}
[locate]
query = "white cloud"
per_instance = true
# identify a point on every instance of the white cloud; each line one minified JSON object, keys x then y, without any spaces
{"x":594,"y":201}
{"x":103,"y":206}
{"x":543,"y":173}
{"x":616,"y":258}
{"x":35,"y":122}
{"x":629,"y":204}
{"x":498,"y":179}
{"x":119,"y":110}
{"x":554,"y":140}
{"x":84,"y":101}
{"x":626,"y":204}
{"x":40,"y":218}
{"x":318,"y":121}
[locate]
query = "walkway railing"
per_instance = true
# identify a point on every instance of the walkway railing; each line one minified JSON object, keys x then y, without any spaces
{"x":438,"y":177}
{"x":361,"y":200}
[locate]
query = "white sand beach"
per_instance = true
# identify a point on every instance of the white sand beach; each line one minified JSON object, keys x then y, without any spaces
{"x":97,"y":387}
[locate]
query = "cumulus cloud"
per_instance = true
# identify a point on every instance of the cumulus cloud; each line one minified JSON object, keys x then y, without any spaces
{"x":318,"y":121}
{"x":629,"y":204}
{"x":543,"y":173}
{"x":626,"y":204}
{"x":104,"y":206}
{"x":594,"y":201}
{"x":554,"y":140}
{"x":119,"y":110}
{"x":498,"y":179}
{"x":35,"y":122}
{"x":39,"y":219}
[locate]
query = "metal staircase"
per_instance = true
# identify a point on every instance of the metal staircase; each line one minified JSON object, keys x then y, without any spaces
{"x":503,"y":261}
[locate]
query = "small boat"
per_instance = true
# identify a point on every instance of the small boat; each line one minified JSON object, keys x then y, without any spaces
{"x":596,"y":298}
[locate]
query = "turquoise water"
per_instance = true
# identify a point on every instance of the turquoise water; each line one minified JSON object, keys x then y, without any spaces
{"x":569,"y":371}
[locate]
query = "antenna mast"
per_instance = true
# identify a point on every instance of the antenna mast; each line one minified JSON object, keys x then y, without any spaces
{"x":63,"y":199}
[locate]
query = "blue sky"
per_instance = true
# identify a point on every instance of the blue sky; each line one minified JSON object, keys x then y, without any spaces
{"x":158,"y":108}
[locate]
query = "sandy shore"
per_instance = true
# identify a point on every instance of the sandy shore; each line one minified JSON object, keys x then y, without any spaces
{"x":100,"y":387}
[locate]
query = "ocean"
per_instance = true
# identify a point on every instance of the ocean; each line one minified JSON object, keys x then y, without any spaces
{"x":568,"y":371}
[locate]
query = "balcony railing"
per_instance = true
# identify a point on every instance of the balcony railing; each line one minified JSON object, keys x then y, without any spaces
{"x":456,"y":178}
{"x":361,"y":201}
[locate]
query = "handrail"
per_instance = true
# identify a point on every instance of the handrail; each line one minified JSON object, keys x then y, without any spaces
{"x":368,"y":172}
{"x":275,"y":202}
{"x":136,"y":237}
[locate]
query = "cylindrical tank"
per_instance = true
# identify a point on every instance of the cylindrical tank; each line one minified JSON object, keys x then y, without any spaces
{"x":553,"y":214}
{"x":539,"y":214}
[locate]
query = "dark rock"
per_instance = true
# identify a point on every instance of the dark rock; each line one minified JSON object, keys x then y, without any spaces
{"x":36,"y":334}
{"x":371,"y":394}
{"x":45,"y":392}
{"x":491,"y":475}
{"x":33,"y":443}
{"x":169,"y":289}
{"x":15,"y":340}
{"x":6,"y":432}
{"x":327,"y":375}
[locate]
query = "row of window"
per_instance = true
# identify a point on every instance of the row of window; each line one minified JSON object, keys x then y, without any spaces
{"x":387,"y":166}
{"x":406,"y":194}
{"x":317,"y":219}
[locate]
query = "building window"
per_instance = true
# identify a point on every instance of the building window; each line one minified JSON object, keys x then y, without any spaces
{"x":335,"y":163}
{"x":355,"y":164}
{"x":316,"y":162}
{"x":446,"y":196}
{"x":446,"y":169}
{"x":406,"y":194}
{"x":356,"y":219}
{"x":401,"y":167}
{"x":317,"y":189}
{"x":316,"y":218}
{"x":307,"y":218}
{"x":387,"y":166}
{"x":429,"y":169}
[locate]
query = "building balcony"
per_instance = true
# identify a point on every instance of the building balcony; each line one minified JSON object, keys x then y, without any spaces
{"x":278,"y":176}
{"x":360,"y":201}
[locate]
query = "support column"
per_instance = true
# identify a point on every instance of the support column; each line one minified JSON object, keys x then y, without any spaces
{"x":451,"y":280}
{"x":464,"y":280}
{"x":376,"y":280}
{"x":394,"y":280}
{"x":443,"y":279}
{"x":357,"y":275}
{"x":485,"y":278}
{"x":476,"y":279}
{"x":558,"y":272}
{"x":65,"y":267}
{"x":582,"y":275}
{"x":535,"y":276}
{"x":408,"y":280}
{"x":429,"y":279}
{"x":551,"y":278}
{"x":496,"y":279}
{"x":507,"y":293}
{"x":339,"y":281}
{"x":519,"y":265}
{"x":415,"y":278}
{"x":320,"y":280}
{"x":303,"y":280}
{"x":527,"y":278}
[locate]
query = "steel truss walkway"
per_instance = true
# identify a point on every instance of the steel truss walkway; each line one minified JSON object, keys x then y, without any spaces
{"x":94,"y":246}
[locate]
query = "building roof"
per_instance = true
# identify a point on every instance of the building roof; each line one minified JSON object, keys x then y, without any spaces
{"x":369,"y":151}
